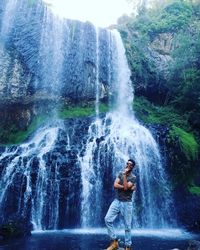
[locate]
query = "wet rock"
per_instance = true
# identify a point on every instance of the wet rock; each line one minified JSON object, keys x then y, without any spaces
{"x":14,"y":228}
{"x":194,"y":245}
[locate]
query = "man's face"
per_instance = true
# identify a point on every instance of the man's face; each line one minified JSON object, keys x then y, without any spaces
{"x":129,"y":165}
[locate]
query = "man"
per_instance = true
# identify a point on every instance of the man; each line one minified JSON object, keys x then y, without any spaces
{"x":124,"y":186}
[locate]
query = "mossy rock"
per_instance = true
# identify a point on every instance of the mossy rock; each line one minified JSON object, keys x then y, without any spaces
{"x":80,"y":110}
{"x":187,"y":142}
{"x":194,"y":190}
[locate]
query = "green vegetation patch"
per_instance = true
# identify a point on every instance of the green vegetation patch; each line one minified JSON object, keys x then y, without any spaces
{"x":171,"y":18}
{"x":80,"y":111}
{"x":194,"y":190}
{"x":187,"y":142}
{"x":149,"y":113}
{"x":13,"y":135}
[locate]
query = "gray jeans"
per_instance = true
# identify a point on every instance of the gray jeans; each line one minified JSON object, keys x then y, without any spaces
{"x":125,"y":209}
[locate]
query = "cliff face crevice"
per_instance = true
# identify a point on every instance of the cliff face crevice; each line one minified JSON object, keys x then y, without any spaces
{"x":160,"y":49}
{"x":163,"y":43}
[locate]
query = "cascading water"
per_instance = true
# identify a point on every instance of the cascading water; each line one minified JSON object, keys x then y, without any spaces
{"x":97,"y":73}
{"x":51,"y":53}
{"x":111,"y":141}
{"x":73,"y":165}
{"x":27,"y":164}
{"x":8,"y":18}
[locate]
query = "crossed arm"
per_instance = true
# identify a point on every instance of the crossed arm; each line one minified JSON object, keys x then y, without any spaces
{"x":126,"y":185}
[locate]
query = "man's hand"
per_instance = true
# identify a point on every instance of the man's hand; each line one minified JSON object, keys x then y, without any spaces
{"x":126,"y":171}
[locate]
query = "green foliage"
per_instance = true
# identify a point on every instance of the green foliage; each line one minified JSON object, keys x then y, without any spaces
{"x":71,"y":112}
{"x":177,"y":18}
{"x":194,"y":190}
{"x":187,"y":142}
{"x":149,"y":113}
{"x":171,"y":18}
{"x":12,"y":135}
{"x":185,"y":72}
{"x":188,"y":96}
{"x":80,"y":111}
{"x":177,"y":15}
{"x":180,"y":90}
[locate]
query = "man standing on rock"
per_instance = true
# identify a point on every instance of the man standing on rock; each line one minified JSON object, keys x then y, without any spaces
{"x":122,"y":204}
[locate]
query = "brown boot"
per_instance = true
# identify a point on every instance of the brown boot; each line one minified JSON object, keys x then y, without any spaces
{"x":113,"y":245}
{"x":128,"y":248}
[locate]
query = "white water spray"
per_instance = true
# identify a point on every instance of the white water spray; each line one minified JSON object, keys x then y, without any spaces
{"x":112,"y":141}
{"x":51,"y":53}
{"x":97,"y":73}
{"x":8,"y":18}
{"x":21,"y":165}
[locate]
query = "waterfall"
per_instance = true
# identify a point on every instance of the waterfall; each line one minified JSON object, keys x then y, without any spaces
{"x":111,"y":142}
{"x":123,"y":91}
{"x":8,"y":18}
{"x":38,"y":186}
{"x":97,"y":73}
{"x":55,"y":58}
{"x":51,"y":53}
{"x":63,"y":175}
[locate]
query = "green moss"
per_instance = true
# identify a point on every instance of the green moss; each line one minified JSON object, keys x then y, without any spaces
{"x":194,"y":190}
{"x":187,"y":142}
{"x":13,"y":136}
{"x":103,"y":108}
{"x":151,"y":114}
{"x":171,"y":18}
{"x":75,"y":112}
{"x":80,"y":111}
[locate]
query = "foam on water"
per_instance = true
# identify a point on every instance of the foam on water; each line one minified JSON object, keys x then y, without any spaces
{"x":175,"y":233}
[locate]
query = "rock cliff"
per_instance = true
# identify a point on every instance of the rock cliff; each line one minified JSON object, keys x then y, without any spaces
{"x":45,"y":60}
